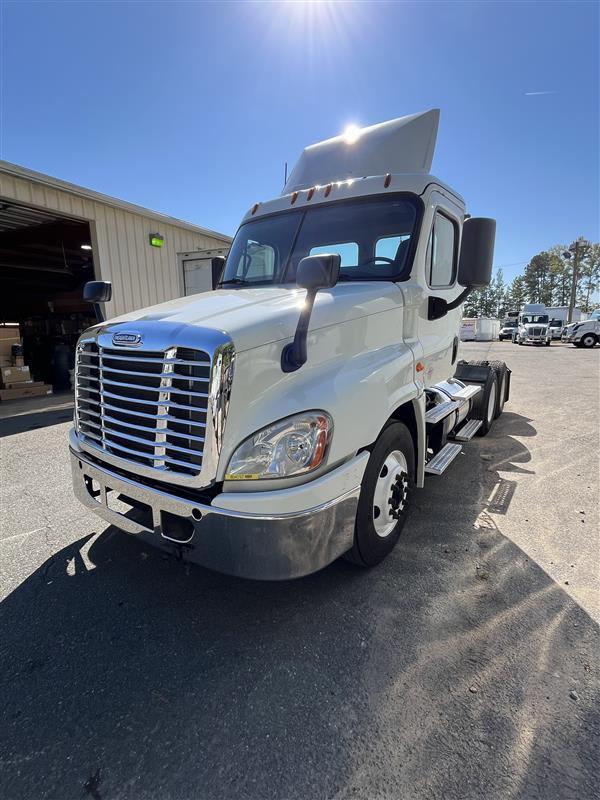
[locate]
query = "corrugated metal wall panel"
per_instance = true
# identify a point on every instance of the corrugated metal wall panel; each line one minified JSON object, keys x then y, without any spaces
{"x":141,"y":275}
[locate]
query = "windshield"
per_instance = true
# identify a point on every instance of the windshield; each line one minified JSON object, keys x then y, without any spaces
{"x":372,"y":237}
{"x":509,"y":323}
{"x":535,"y":319}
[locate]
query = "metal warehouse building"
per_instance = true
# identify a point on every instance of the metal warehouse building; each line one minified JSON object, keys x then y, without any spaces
{"x":55,"y":236}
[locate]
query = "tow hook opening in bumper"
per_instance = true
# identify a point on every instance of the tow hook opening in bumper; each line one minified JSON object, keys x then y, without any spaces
{"x":175,"y":528}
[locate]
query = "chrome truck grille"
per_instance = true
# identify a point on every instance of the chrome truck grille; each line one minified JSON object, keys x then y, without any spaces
{"x":159,"y":413}
{"x":536,"y":331}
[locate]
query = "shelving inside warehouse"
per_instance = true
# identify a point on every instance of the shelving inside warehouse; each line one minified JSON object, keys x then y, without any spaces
{"x":37,"y":356}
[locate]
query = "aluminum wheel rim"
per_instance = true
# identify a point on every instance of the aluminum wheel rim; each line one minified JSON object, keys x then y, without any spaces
{"x":391,"y":489}
{"x":491,"y":409}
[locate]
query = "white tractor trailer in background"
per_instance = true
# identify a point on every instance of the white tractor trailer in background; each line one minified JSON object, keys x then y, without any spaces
{"x":286,"y":418}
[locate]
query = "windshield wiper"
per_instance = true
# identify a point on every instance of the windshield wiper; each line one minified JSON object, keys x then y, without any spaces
{"x":234,"y":281}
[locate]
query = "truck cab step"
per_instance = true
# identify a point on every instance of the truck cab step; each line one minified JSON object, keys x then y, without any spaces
{"x":468,"y":430}
{"x":442,"y":460}
{"x":441,"y":411}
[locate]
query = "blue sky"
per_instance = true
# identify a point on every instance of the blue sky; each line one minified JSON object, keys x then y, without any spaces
{"x":193,"y":108}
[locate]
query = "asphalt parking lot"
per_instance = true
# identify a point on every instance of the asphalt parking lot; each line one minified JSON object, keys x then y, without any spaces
{"x":465,"y":666}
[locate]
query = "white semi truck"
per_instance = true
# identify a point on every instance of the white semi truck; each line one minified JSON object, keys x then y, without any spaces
{"x":586,"y":333}
{"x":533,"y":325}
{"x":268,"y":427}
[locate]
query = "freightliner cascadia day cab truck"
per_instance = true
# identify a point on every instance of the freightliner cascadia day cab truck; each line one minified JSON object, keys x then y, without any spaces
{"x":285,"y":419}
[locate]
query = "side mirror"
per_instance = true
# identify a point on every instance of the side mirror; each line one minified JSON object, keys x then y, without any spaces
{"x":474,"y":264}
{"x":217,"y":265}
{"x":97,"y":292}
{"x":319,"y":272}
{"x":476,"y":252}
{"x":314,"y":273}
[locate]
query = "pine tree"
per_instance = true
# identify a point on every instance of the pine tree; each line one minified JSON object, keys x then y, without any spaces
{"x":589,"y":277}
{"x":517,"y":293}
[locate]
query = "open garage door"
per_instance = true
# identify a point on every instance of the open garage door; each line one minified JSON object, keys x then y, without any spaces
{"x":45,"y":259}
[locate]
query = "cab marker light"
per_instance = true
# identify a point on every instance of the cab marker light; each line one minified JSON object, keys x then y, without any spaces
{"x":420,"y":366}
{"x":310,"y":193}
{"x":327,"y":190}
{"x":294,"y":197}
{"x":387,"y":180}
{"x":255,"y":208}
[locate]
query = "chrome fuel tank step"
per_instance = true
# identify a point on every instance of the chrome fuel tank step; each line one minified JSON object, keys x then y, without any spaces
{"x":441,"y":411}
{"x":465,"y":392}
{"x":442,"y":460}
{"x":468,"y":431}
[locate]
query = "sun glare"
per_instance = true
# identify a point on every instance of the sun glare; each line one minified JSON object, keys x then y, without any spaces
{"x":352,"y":133}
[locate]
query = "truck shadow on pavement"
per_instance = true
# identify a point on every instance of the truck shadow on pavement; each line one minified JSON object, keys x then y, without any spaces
{"x":456,"y":669}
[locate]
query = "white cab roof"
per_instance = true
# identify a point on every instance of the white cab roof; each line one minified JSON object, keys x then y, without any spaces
{"x":346,"y":190}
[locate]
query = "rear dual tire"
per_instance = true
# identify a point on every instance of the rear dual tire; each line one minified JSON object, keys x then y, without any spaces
{"x":485,"y":403}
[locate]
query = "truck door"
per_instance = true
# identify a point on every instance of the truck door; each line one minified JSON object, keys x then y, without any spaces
{"x":440,"y":338}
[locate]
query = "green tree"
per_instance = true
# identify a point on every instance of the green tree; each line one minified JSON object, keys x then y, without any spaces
{"x":561,"y":271}
{"x":538,"y":280}
{"x":500,"y":293}
{"x":517,"y":294}
{"x":589,"y":277}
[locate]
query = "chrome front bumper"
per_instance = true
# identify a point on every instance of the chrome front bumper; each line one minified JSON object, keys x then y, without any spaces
{"x":266,"y":547}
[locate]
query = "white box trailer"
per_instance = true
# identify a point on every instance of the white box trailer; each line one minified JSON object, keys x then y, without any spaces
{"x":468,"y":329}
{"x":479,"y":329}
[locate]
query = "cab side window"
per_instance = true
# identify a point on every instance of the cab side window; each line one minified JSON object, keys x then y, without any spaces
{"x":441,"y":252}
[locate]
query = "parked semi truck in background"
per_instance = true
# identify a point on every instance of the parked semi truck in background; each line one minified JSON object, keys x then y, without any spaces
{"x":558,"y":317}
{"x":533,"y":325}
{"x":586,"y":333}
{"x":508,"y":327}
{"x":286,"y":418}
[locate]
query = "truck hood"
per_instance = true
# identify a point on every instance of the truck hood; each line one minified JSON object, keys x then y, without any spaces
{"x":254,"y":317}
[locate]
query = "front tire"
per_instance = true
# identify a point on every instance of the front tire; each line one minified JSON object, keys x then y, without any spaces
{"x":385,"y":496}
{"x":589,"y":340}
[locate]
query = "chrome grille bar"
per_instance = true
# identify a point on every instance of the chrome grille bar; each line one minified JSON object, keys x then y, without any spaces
{"x":179,"y":361}
{"x":154,"y":421}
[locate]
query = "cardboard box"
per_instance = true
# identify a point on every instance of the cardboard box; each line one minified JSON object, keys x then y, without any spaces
{"x":14,"y":375}
{"x":6,"y":346}
{"x":9,"y":332}
{"x":22,"y":384}
{"x":26,"y":391}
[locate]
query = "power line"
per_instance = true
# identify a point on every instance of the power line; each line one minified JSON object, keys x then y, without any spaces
{"x":514,"y":264}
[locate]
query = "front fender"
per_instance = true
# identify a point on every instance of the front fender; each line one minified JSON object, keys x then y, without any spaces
{"x":359,"y":372}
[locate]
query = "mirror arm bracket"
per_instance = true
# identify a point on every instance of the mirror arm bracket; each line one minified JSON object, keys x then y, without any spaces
{"x":437,"y":307}
{"x":460,"y":299}
{"x":294,"y":354}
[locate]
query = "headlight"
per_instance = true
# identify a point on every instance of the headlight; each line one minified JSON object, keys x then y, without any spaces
{"x":293,"y":446}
